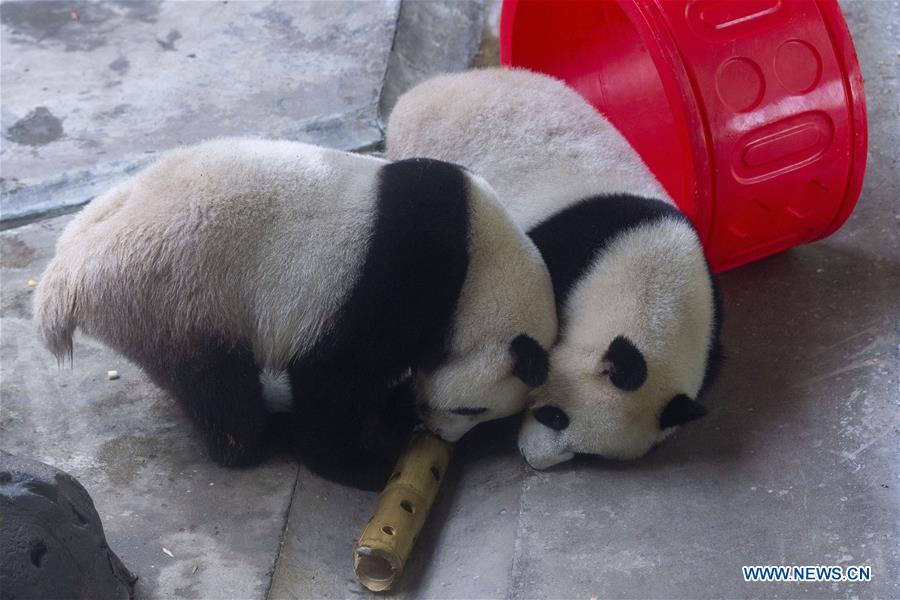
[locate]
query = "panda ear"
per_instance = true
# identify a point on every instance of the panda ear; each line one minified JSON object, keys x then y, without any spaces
{"x":680,"y":410}
{"x":531,"y":362}
{"x":624,"y":364}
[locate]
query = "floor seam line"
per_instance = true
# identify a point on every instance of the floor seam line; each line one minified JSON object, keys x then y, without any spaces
{"x":284,"y":533}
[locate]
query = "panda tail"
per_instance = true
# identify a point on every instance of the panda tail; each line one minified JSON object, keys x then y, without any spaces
{"x":55,"y":302}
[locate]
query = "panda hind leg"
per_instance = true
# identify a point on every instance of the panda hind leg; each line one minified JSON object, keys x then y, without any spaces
{"x":220,"y":389}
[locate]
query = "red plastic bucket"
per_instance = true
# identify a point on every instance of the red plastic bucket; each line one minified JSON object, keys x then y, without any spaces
{"x":750,"y":112}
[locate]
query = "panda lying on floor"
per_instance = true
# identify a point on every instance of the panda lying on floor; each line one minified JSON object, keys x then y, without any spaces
{"x":639,"y":311}
{"x":237,"y":256}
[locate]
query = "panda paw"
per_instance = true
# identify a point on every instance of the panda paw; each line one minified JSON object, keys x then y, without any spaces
{"x":359,"y":470}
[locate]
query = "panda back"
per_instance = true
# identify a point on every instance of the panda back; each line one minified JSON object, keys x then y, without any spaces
{"x":538,"y":143}
{"x":399,"y":309}
{"x":250,"y":240}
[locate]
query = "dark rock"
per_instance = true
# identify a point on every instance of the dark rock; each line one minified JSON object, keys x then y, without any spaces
{"x":51,"y":538}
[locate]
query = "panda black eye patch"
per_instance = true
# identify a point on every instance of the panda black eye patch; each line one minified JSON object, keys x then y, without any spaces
{"x":469,"y":410}
{"x":625,"y":364}
{"x":532,"y":364}
{"x":553,"y":417}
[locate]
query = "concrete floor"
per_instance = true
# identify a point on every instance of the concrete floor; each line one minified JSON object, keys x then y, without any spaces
{"x":91,"y":91}
{"x":795,"y":464}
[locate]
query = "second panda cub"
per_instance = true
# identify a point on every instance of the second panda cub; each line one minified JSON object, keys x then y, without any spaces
{"x":639,"y":310}
{"x":237,"y":256}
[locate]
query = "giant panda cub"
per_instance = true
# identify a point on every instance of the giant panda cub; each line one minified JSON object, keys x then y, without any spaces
{"x":638,"y":307}
{"x":236,"y":256}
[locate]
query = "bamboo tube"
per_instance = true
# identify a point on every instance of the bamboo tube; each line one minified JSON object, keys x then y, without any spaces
{"x":403,"y":506}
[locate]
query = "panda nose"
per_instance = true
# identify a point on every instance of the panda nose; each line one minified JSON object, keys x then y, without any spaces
{"x":553,"y":417}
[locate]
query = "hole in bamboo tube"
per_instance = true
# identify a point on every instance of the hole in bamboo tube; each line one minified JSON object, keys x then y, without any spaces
{"x":388,"y":529}
{"x":375,"y":572}
{"x":394,"y":476}
{"x":435,"y":473}
{"x":407,"y":506}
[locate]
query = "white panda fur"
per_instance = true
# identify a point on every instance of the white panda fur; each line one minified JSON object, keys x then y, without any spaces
{"x":238,"y":256}
{"x":623,"y":260}
{"x":539,"y":144}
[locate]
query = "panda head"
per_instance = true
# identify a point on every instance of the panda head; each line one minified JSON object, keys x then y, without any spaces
{"x":624,"y":378}
{"x":504,"y":323}
{"x":482,"y":384}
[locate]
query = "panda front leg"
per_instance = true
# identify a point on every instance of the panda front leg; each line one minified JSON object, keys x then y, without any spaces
{"x":332,"y":417}
{"x":219,"y":386}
